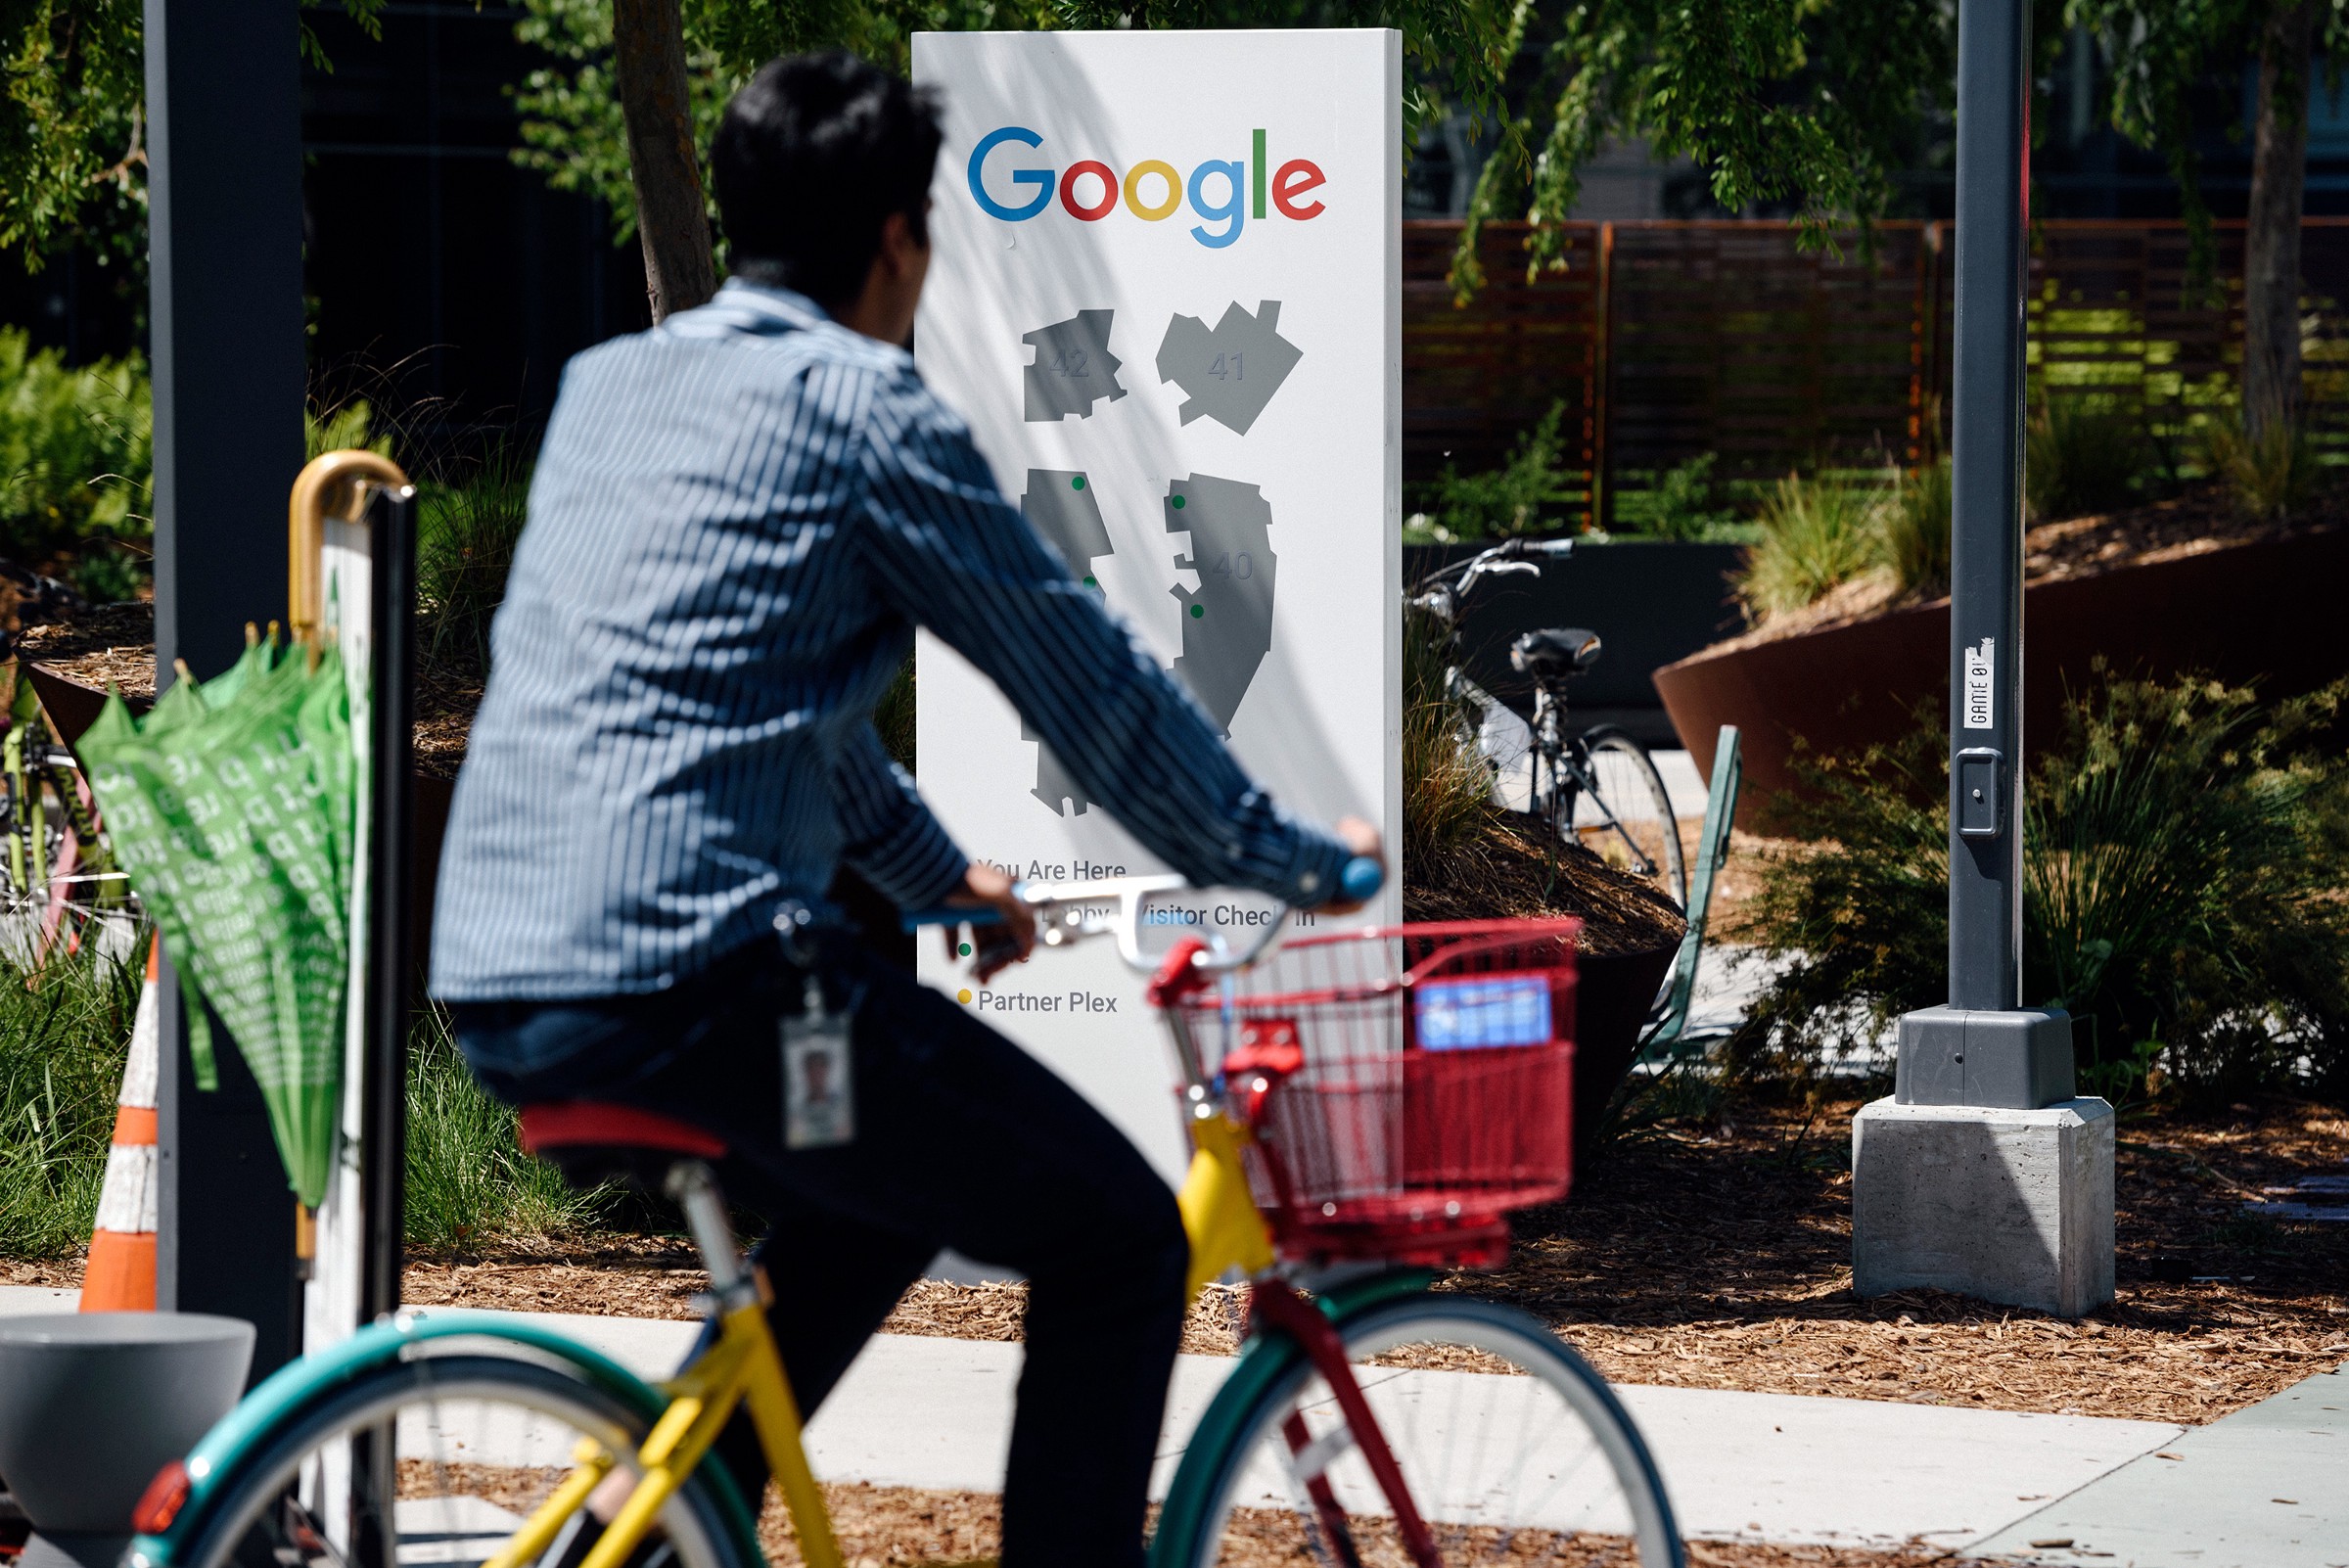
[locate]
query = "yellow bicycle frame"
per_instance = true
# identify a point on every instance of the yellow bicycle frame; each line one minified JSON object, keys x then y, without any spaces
{"x":742,"y":1365}
{"x":1225,"y":1231}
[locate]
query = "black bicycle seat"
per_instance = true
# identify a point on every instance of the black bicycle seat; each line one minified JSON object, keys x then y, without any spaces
{"x":1554,"y":652}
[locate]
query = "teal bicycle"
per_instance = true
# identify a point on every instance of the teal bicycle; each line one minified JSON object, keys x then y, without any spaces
{"x":1366,"y":1109}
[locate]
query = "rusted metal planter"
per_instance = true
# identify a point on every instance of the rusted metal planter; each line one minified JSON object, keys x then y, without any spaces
{"x":2270,"y":612}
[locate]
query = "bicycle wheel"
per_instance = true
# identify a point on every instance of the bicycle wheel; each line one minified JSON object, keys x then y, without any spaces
{"x":1625,"y":814}
{"x":477,"y":1443}
{"x":1541,"y":1467}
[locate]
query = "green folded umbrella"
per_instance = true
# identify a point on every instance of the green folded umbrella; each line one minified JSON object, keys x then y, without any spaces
{"x":231,"y":807}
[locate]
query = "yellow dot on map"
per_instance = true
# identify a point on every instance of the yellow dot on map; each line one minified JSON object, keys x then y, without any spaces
{"x":963,"y":995}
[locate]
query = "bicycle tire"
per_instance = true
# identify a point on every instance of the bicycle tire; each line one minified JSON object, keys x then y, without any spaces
{"x":1218,"y":1499}
{"x":1625,"y":780}
{"x":252,"y":1527}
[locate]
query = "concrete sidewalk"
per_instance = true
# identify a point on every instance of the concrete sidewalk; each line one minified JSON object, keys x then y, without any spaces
{"x":2264,"y":1488}
{"x":937,"y":1413}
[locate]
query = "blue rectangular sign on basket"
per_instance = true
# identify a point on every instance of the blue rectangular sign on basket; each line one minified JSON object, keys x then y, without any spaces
{"x":1468,"y":1014}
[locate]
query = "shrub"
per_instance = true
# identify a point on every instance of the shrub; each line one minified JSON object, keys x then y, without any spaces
{"x":64,"y":1038}
{"x":1507,"y":500}
{"x":1686,"y":505}
{"x":1816,"y":534}
{"x":77,"y":466}
{"x":2079,"y":461}
{"x":2186,"y":856}
{"x":1914,"y":527}
{"x":2268,"y":476}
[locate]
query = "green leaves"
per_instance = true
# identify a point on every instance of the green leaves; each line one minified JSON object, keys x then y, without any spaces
{"x":572,"y":130}
{"x":2186,"y":860}
{"x":72,"y":150}
{"x":72,"y":126}
{"x":1521,"y":496}
{"x":1803,"y":105}
{"x":75,"y":467}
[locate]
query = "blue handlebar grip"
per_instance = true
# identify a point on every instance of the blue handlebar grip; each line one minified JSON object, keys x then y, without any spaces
{"x":948,"y":915}
{"x":1363,"y":878}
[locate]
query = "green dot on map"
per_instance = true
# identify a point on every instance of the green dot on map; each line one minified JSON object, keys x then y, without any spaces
{"x":1197,"y":611}
{"x":1076,"y":482}
{"x":1177,"y":503}
{"x":1089,"y":582}
{"x":964,"y":950}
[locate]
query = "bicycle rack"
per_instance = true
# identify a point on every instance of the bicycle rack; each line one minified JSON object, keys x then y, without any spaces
{"x":1671,"y":1018}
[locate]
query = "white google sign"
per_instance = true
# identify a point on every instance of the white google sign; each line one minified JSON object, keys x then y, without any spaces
{"x":1173,"y":320}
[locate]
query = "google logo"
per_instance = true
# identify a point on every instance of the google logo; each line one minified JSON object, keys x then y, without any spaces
{"x":1152,"y":190}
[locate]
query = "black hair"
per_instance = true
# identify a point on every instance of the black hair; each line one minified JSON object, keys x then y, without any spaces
{"x":812,"y":157}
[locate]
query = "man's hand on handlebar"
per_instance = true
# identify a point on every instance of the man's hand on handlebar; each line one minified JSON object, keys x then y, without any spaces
{"x":1005,"y":944}
{"x":1362,"y":838}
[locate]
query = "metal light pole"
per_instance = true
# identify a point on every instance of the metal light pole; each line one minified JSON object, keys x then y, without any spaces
{"x":1984,"y":1048}
{"x":1983,"y":1174}
{"x":224,"y":224}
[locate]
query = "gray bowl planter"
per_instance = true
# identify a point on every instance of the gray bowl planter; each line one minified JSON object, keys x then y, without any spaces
{"x":92,"y":1404}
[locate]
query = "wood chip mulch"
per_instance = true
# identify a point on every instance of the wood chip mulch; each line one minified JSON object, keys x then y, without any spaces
{"x":1717,"y":1253}
{"x":105,"y":645}
{"x":49,"y":1273}
{"x":898,"y":1527}
{"x":609,"y":1274}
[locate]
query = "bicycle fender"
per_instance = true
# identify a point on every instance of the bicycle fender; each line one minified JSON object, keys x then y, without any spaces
{"x":1264,"y":1361}
{"x":286,"y":1394}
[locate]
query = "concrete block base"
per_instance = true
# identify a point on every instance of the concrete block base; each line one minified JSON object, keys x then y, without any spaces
{"x":2013,"y":1207}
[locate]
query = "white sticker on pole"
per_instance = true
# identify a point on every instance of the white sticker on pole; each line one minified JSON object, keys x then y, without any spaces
{"x":1981,"y":684}
{"x":1166,"y":293}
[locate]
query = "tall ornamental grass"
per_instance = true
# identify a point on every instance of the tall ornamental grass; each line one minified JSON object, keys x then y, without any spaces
{"x":64,"y":1034}
{"x":2186,"y":891}
{"x":466,"y":534}
{"x":469,"y":1182}
{"x":2080,"y":460}
{"x":1817,"y":534}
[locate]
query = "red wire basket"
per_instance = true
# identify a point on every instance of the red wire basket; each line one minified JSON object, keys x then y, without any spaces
{"x":1408,"y":1086}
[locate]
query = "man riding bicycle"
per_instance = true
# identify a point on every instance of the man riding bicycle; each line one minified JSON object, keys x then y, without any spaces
{"x":736,"y":521}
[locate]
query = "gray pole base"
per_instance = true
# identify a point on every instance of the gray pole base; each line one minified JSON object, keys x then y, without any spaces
{"x":2014,"y":1056}
{"x":2008,"y":1206}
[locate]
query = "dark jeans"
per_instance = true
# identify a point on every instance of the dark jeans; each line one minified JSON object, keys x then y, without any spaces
{"x":963,"y":1141}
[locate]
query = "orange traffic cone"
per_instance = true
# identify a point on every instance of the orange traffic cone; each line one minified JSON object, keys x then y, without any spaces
{"x":120,"y":1275}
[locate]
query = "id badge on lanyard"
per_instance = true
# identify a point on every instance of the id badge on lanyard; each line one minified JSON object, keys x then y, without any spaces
{"x":819,"y":1088}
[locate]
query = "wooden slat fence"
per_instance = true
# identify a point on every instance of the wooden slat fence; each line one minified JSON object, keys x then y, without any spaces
{"x":1667,"y":340}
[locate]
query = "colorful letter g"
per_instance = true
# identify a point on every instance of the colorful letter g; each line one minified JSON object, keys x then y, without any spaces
{"x":1040,"y":178}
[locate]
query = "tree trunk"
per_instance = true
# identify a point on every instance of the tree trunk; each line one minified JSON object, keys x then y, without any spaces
{"x":647,"y":57}
{"x":2271,"y":234}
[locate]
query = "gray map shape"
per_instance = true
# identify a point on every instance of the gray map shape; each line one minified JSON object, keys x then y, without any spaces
{"x":1070,"y":519}
{"x":1227,"y":620}
{"x":1074,"y":368}
{"x":1230,"y":373}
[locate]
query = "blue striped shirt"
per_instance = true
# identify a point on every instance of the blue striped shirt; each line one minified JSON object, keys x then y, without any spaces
{"x":736,"y":522}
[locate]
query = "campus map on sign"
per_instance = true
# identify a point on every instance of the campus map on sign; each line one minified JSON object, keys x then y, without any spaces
{"x":1074,"y":368}
{"x":1215,"y":367}
{"x":1172,"y":319}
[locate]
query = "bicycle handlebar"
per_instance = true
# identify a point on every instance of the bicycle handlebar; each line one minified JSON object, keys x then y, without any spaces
{"x":1506,"y":559}
{"x":1069,"y":912}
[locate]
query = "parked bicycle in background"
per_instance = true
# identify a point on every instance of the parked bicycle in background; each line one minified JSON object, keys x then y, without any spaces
{"x":1597,"y":788}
